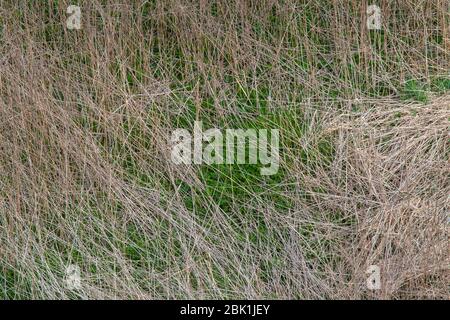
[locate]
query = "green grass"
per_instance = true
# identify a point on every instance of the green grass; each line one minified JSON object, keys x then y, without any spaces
{"x":414,"y":90}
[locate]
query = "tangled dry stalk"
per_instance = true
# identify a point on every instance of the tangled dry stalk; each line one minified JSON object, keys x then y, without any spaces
{"x":85,"y":170}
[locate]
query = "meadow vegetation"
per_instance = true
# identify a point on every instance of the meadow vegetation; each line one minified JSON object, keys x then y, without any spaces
{"x":86,"y":176}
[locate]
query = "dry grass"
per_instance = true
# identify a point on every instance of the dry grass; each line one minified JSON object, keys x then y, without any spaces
{"x":85,"y":170}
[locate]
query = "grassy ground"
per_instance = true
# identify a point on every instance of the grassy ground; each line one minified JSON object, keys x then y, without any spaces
{"x":86,"y":176}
